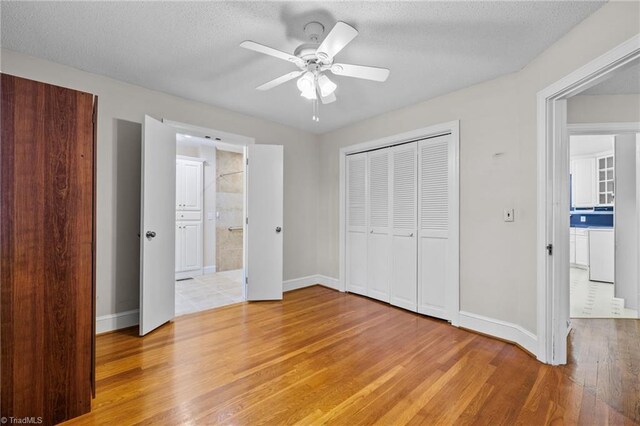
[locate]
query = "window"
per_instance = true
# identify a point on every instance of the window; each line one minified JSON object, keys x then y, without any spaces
{"x":606,"y":180}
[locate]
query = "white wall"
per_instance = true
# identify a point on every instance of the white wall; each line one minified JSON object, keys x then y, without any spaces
{"x":121,"y":110}
{"x":497,"y":259}
{"x":626,"y":224}
{"x":603,"y":109}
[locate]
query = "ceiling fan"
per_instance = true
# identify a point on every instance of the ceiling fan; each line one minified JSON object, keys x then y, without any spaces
{"x":314,"y":59}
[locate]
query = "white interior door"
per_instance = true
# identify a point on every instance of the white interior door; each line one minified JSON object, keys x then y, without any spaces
{"x":157,"y":236}
{"x":264,"y":233}
{"x":379,"y":241}
{"x":404,"y":248}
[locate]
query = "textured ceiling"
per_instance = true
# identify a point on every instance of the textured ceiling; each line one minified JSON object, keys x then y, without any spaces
{"x":626,"y":82}
{"x":190,"y":49}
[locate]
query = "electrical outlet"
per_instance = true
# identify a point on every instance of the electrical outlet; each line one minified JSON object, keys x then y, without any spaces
{"x":583,"y":219}
{"x":508,"y":215}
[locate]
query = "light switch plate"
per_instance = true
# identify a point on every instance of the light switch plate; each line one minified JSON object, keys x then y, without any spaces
{"x":209,"y":215}
{"x":508,"y":215}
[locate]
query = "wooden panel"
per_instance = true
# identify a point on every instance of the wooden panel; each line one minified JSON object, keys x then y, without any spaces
{"x":47,"y":250}
{"x":325,"y":357}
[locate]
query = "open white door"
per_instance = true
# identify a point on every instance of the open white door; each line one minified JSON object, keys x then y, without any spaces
{"x":264,"y":207}
{"x":157,"y":232}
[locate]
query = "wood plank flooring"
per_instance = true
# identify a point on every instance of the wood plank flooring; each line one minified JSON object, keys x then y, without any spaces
{"x":324,"y":357}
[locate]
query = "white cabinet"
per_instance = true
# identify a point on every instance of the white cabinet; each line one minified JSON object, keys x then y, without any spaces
{"x":581,"y":246}
{"x":601,"y":255}
{"x":189,"y":202}
{"x":188,"y":184}
{"x":583,"y":182}
{"x":188,"y":246}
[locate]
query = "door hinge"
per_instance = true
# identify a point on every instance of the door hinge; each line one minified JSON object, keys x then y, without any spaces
{"x":550,"y":249}
{"x":246,"y":220}
{"x":247,"y":161}
{"x":246,"y":280}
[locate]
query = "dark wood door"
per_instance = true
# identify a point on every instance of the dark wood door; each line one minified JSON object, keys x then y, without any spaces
{"x":46,"y":225}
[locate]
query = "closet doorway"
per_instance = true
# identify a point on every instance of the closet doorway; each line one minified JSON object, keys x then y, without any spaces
{"x":209,"y":223}
{"x":174,"y":211}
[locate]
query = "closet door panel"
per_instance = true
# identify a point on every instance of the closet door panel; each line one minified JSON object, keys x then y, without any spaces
{"x":433,"y":216}
{"x":356,"y":253}
{"x":433,"y":258}
{"x":404,"y":280}
{"x":379,"y":243}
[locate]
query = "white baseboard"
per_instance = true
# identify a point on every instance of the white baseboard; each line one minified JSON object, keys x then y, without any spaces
{"x":310,"y":280}
{"x":117,"y":321}
{"x":297,"y":283}
{"x":333,"y":283}
{"x":209,"y":269}
{"x":501,"y":329}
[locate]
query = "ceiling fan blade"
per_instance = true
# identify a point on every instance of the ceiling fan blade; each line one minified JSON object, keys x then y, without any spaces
{"x":261,"y":48}
{"x":328,"y":99}
{"x":360,"y":71}
{"x":278,"y":81}
{"x":339,"y":36}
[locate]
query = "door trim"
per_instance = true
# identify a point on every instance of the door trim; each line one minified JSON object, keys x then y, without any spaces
{"x":452,"y":128}
{"x":552,"y":150}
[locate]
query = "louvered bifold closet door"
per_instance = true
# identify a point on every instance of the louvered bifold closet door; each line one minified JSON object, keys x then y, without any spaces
{"x":379,"y":237}
{"x":404,"y":247}
{"x":434,"y":219}
{"x":356,"y":253}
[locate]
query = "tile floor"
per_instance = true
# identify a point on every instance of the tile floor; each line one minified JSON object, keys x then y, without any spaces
{"x":208,"y":291}
{"x":591,"y":299}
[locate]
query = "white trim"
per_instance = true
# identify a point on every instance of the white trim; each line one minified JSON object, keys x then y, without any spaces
{"x":187,"y":158}
{"x":551,"y":342}
{"x":302,"y":282}
{"x":501,"y":329}
{"x":329,"y":282}
{"x":211,"y":269}
{"x":450,"y":127}
{"x":225,"y":137}
{"x":309,"y":281}
{"x":106,"y":323}
{"x":603,"y":128}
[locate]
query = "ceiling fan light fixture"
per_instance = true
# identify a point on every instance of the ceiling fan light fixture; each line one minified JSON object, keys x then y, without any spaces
{"x":306,"y":82}
{"x":309,"y":94}
{"x":326,"y":86}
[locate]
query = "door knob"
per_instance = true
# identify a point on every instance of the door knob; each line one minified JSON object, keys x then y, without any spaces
{"x":278,"y":229}
{"x":150,"y":234}
{"x":411,"y":234}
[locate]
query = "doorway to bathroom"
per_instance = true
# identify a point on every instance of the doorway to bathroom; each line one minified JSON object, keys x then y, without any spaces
{"x":209,"y":223}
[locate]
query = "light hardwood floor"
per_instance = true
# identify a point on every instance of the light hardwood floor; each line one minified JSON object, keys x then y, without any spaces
{"x":326,"y":357}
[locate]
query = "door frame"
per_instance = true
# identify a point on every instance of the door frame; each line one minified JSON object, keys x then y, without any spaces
{"x":236,"y":140}
{"x":553,"y":170}
{"x":452,"y":128}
